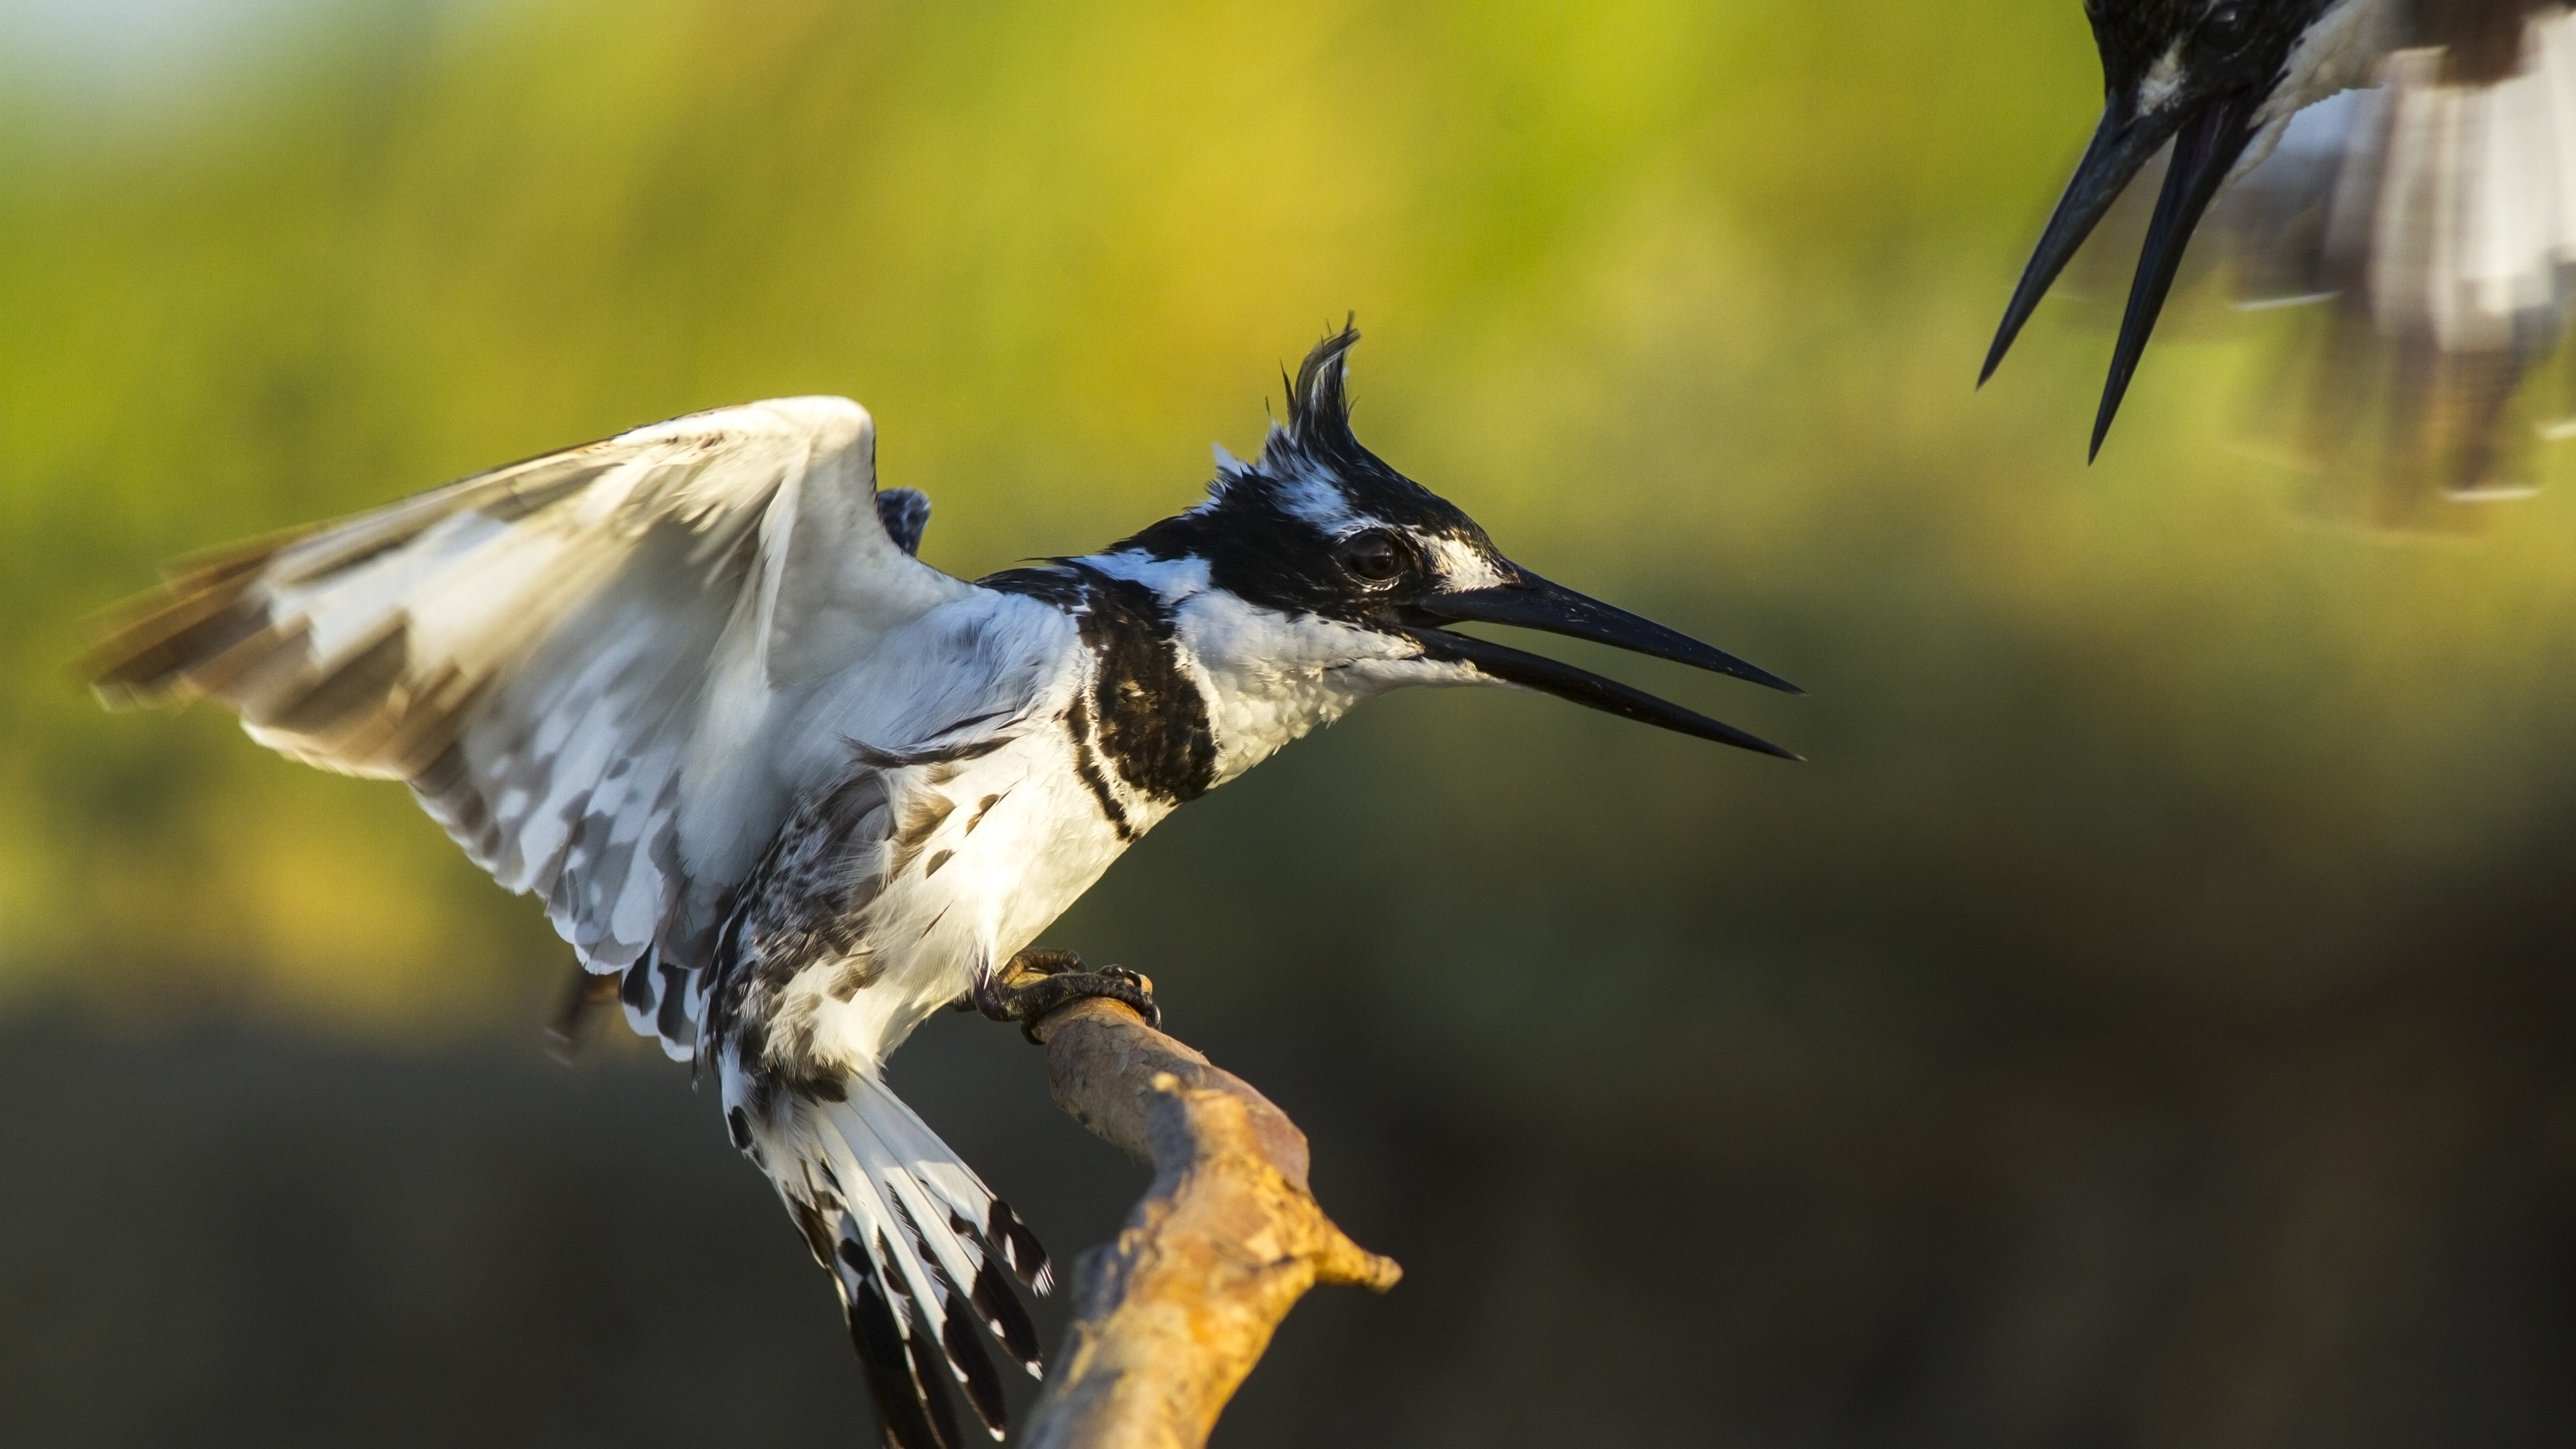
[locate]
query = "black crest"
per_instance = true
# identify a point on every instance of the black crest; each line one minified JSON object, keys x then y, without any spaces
{"x":1317,"y":441}
{"x":1257,"y":531}
{"x":1318,"y":433}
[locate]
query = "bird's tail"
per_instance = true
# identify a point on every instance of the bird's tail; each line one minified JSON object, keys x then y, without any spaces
{"x":916,"y":1242}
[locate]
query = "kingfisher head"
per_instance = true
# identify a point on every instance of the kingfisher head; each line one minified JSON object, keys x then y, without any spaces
{"x":2220,"y":80}
{"x":1318,"y":575}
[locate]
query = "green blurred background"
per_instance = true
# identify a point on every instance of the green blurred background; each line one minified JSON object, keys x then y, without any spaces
{"x":2145,"y":1020}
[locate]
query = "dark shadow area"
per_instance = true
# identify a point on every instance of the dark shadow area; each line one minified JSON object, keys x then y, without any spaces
{"x":2353,"y":1224}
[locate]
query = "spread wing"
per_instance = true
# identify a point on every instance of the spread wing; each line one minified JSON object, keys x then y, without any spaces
{"x":2436,"y":217}
{"x":574,"y":661}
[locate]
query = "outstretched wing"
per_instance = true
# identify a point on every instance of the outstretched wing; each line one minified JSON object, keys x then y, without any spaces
{"x":574,"y":661}
{"x":2438,"y":213}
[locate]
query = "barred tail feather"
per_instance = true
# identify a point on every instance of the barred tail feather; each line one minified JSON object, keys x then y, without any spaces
{"x":916,"y":1244}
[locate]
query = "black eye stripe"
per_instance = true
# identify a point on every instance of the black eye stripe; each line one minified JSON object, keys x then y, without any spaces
{"x":1260,"y":550}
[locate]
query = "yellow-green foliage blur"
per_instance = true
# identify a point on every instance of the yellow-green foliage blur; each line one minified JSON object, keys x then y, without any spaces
{"x":1683,"y":300}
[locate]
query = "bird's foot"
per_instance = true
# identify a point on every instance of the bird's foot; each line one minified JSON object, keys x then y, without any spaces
{"x":1039,"y":981}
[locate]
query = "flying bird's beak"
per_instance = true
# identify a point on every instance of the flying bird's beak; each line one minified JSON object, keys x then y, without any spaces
{"x":2209,"y":134}
{"x":1531,"y":602}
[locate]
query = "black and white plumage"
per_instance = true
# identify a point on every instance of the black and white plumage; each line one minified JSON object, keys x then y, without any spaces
{"x":2410,"y":162}
{"x":794,"y":790}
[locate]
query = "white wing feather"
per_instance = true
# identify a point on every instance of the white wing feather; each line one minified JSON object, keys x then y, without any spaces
{"x":574,"y":660}
{"x":2438,"y":211}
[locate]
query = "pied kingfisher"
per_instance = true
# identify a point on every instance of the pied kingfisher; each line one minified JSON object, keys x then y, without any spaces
{"x":2438,"y":207}
{"x":792,"y":790}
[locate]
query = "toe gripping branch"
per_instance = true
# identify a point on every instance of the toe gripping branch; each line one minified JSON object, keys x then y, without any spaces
{"x":1038,"y":981}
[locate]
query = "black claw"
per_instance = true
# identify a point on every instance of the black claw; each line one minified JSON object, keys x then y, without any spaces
{"x":1048,"y":961}
{"x":1144,"y":987}
{"x":1038,"y":982}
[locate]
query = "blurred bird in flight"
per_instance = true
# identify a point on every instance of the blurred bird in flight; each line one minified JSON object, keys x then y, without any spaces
{"x":2407,"y":165}
{"x":788,"y":790}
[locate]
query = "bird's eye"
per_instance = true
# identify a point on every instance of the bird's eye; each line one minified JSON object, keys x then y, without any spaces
{"x":1372,"y":557}
{"x":2225,"y":20}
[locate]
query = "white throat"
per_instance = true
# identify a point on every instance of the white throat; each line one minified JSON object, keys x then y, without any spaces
{"x":1271,"y":678}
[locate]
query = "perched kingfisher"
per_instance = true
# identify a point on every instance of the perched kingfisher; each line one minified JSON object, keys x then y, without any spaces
{"x":792,"y":790}
{"x":2439,"y":213}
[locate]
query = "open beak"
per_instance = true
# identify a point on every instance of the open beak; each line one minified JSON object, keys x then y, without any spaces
{"x":1531,"y":602}
{"x":2209,"y":134}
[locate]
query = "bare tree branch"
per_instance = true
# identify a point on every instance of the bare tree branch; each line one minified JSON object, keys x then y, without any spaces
{"x":1170,"y":1318}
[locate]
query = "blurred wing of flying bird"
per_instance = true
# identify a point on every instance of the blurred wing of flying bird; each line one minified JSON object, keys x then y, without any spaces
{"x":2424,"y":228}
{"x":2403,"y":172}
{"x":788,"y":791}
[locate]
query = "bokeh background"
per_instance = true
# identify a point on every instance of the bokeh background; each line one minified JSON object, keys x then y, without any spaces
{"x":2146,"y":1021}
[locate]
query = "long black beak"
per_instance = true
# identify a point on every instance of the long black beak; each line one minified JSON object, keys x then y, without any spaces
{"x":1531,"y":602}
{"x":2208,"y":138}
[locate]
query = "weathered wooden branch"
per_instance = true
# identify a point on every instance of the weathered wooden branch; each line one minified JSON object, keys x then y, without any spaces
{"x":1170,"y":1318}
